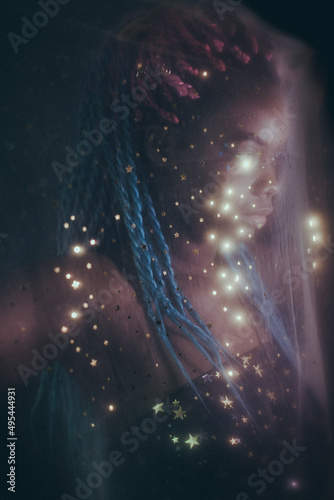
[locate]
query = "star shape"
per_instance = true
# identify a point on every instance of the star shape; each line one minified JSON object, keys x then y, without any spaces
{"x":192,"y":441}
{"x":158,"y":407}
{"x":245,"y":360}
{"x":179,"y":413}
{"x":196,"y":251}
{"x":129,"y":169}
{"x":245,"y":420}
{"x":183,"y":177}
{"x":175,"y":402}
{"x":271,"y":395}
{"x":226,"y":402}
{"x":234,"y":441}
{"x":93,"y":362}
{"x":217,"y":374}
{"x":175,"y":439}
{"x":176,"y":235}
{"x":258,"y":370}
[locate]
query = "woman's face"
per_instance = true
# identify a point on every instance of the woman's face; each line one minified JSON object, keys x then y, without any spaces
{"x":255,"y":131}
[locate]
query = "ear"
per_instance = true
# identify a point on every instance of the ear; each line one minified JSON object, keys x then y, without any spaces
{"x":160,"y":144}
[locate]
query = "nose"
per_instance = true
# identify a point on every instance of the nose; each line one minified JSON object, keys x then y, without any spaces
{"x":266,"y":183}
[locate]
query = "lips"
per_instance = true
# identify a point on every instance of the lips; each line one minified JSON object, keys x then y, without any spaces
{"x":257,"y":219}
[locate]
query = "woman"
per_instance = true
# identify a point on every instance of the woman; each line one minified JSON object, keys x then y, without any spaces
{"x":193,"y":360}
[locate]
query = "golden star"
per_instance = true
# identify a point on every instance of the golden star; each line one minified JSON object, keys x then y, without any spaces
{"x":93,"y":362}
{"x":196,"y":251}
{"x":234,"y":441}
{"x":258,"y":370}
{"x":271,"y":395}
{"x":192,"y":441}
{"x":245,"y":360}
{"x":175,"y":439}
{"x":158,"y":407}
{"x":183,"y":177}
{"x":176,"y":235}
{"x":175,"y":402}
{"x":245,"y":420}
{"x":226,"y":402}
{"x":129,"y":169}
{"x":179,"y":413}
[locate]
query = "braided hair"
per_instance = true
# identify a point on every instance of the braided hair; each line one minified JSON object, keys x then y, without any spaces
{"x":108,"y":194}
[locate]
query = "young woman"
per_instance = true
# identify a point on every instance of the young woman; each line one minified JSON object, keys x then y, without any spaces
{"x":187,"y":360}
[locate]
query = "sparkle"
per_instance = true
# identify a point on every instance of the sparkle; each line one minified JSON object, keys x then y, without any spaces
{"x":89,"y":265}
{"x":258,"y":370}
{"x":129,"y":169}
{"x":234,"y":441}
{"x":92,"y":242}
{"x":226,"y":402}
{"x":77,"y":249}
{"x":93,"y":362}
{"x":75,"y":285}
{"x":117,"y":217}
{"x":175,"y":440}
{"x":158,"y":407}
{"x":179,"y":413}
{"x":68,"y":276}
{"x":74,"y":315}
{"x":192,"y":441}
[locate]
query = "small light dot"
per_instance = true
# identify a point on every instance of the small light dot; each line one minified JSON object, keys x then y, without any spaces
{"x":66,"y":225}
{"x":110,"y":408}
{"x":64,"y":329}
{"x":57,"y":270}
{"x":68,"y":276}
{"x":84,"y":229}
{"x":74,"y":315}
{"x":77,"y":249}
{"x":92,"y":242}
{"x":72,"y":217}
{"x":214,"y":292}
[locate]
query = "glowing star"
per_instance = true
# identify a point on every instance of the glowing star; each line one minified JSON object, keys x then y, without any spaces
{"x":117,"y":217}
{"x":234,"y":441}
{"x":271,"y":395}
{"x":89,"y":265}
{"x":179,"y":413}
{"x":75,"y":285}
{"x":158,"y":407}
{"x":93,"y":362}
{"x":196,"y":251}
{"x":183,"y":177}
{"x":217,"y":374}
{"x":258,"y":370}
{"x":175,"y":440}
{"x":176,"y":235}
{"x":226,"y":402}
{"x":77,"y":249}
{"x":192,"y":441}
{"x":175,"y":402}
{"x":245,"y":360}
{"x":245,"y":420}
{"x":128,"y":169}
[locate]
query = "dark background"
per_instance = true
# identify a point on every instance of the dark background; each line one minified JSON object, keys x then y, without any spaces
{"x":40,"y":94}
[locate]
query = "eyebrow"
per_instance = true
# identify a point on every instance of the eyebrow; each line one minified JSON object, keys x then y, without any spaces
{"x":248,"y":136}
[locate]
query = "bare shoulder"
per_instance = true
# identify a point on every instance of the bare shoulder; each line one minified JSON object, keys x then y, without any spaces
{"x":48,"y":304}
